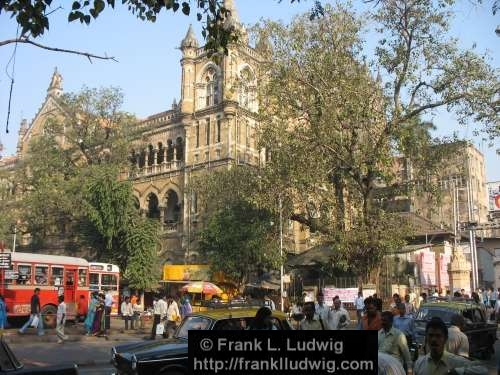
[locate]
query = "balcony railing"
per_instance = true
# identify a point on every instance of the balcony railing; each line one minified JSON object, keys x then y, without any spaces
{"x":148,"y":170}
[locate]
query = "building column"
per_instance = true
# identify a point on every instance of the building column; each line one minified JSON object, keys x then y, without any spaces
{"x":175,"y":152}
{"x":165,"y":150}
{"x":162,"y":214}
{"x":155,"y":156}
{"x":146,"y":159}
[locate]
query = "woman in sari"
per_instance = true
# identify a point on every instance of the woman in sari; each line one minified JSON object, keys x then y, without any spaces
{"x":89,"y":320}
{"x":98,"y":325}
{"x":3,"y":314}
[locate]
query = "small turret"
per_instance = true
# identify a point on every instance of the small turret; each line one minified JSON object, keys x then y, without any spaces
{"x":55,"y":87}
{"x":189,"y":42}
{"x":23,"y":129}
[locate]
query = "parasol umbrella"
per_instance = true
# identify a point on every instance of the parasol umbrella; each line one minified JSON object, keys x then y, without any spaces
{"x":202,"y":287}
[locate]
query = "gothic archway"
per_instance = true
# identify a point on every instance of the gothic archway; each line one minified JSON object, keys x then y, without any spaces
{"x":173,"y":207}
{"x":153,"y":206}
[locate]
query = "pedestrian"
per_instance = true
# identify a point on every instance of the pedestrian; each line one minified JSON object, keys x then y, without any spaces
{"x":127,"y":312}
{"x":389,"y":365}
{"x":108,"y":304}
{"x":377,"y":301}
{"x":61,"y":320}
{"x":173,"y":316}
{"x":440,"y":362}
{"x":159,"y":311}
{"x":359,"y":304}
{"x":35,"y":314}
{"x":392,"y":341}
{"x":320,"y":309}
{"x":82,"y":309}
{"x":338,"y":317}
{"x":372,"y":319}
{"x":89,"y":319}
{"x":185,"y":308}
{"x":458,"y":342}
{"x":268,"y":302}
{"x":99,"y":318}
{"x":409,"y":307}
{"x":312,"y":322}
{"x":3,"y":314}
{"x":262,"y":320}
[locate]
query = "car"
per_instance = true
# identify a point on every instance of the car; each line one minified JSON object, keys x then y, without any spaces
{"x":481,"y":334}
{"x":170,"y":356}
{"x":9,"y":364}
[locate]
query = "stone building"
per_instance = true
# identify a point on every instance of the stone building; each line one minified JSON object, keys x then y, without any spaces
{"x":214,"y":125}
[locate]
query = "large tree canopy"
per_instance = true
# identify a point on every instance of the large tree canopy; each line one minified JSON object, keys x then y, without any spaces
{"x":333,"y":127}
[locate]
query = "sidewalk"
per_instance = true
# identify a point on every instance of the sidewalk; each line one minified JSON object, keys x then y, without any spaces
{"x":76,"y":332}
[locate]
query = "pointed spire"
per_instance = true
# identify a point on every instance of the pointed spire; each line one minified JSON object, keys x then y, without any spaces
{"x":55,"y":87}
{"x":190,"y":40}
{"x":233,"y":17}
{"x":379,"y":77}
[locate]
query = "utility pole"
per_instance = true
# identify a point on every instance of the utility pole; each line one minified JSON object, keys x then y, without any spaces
{"x":14,"y":242}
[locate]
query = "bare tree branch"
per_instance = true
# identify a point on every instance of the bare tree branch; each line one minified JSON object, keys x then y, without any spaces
{"x":25,"y":40}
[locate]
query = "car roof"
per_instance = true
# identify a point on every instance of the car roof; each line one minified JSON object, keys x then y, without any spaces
{"x":219,"y":314}
{"x":454,"y":305}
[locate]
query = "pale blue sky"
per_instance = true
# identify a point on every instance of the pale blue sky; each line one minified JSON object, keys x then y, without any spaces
{"x":148,"y":70}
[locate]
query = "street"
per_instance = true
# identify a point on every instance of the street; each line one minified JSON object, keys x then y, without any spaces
{"x":93,"y":356}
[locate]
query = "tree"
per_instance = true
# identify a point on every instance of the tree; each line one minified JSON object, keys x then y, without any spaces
{"x":34,"y":18}
{"x":333,"y":130}
{"x":238,"y":242}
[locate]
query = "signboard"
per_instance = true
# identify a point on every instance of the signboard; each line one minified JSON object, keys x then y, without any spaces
{"x":443,"y":270}
{"x":186,"y":272}
{"x":345,"y":294}
{"x":494,"y":196}
{"x":5,"y":260}
{"x":11,"y":275}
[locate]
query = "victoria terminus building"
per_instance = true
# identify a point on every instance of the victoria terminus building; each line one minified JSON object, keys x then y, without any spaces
{"x":214,"y":125}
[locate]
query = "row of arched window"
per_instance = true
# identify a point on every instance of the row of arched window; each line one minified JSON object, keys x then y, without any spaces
{"x":156,"y":155}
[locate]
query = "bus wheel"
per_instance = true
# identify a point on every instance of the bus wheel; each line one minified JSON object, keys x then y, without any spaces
{"x":49,"y":316}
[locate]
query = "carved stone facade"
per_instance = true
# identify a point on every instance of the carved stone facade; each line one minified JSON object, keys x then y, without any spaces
{"x":214,"y":125}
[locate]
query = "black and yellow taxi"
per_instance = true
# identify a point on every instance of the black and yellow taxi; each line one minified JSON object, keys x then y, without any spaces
{"x":170,"y":356}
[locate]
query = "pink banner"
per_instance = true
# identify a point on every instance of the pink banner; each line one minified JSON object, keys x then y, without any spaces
{"x":347,"y":295}
{"x":427,"y":263}
{"x":444,"y":260}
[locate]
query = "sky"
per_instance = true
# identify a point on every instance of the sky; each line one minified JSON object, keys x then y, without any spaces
{"x":148,"y":68}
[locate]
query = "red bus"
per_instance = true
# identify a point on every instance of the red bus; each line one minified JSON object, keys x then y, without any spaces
{"x":106,"y":277}
{"x":54,"y":275}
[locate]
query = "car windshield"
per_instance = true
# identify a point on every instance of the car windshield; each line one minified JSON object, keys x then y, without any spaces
{"x":427,"y":313}
{"x":192,"y":323}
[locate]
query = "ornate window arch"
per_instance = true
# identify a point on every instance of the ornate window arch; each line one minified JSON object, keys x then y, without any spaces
{"x":209,"y":88}
{"x":247,"y":89}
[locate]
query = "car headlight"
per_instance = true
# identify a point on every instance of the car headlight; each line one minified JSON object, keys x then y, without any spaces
{"x":134,"y":362}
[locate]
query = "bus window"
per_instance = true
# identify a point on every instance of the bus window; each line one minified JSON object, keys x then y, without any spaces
{"x":41,"y":275}
{"x":82,"y":277}
{"x":57,"y":276}
{"x":24,"y":274}
{"x":94,"y":282}
{"x":109,"y":282}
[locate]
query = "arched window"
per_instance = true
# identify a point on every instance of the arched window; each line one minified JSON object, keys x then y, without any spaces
{"x":209,"y":92}
{"x":133,"y":158}
{"x":170,"y":150}
{"x":153,"y":206}
{"x":161,"y":152}
{"x":142,"y":159}
{"x":173,"y":208}
{"x":151,"y":155}
{"x":247,"y":91}
{"x":179,"y":148}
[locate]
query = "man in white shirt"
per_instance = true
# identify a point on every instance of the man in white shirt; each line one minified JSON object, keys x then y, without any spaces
{"x":173,"y":316}
{"x":127,"y":313}
{"x":338,"y":318}
{"x":321,"y":310}
{"x":359,"y":303}
{"x":108,"y":304}
{"x":61,"y":320}
{"x":440,"y":362}
{"x":457,"y":343}
{"x":159,"y":311}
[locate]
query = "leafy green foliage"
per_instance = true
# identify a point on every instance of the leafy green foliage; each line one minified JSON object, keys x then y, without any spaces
{"x":238,"y":241}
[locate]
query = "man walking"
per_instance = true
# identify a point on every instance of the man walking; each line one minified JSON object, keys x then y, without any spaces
{"x":321,"y":310}
{"x":108,"y":304}
{"x":61,"y":320}
{"x":127,"y":313}
{"x":159,"y":311}
{"x":173,"y":315}
{"x":338,"y":318}
{"x":458,"y":342}
{"x":359,"y":303}
{"x":440,"y":362}
{"x":392,"y":341}
{"x":35,"y":312}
